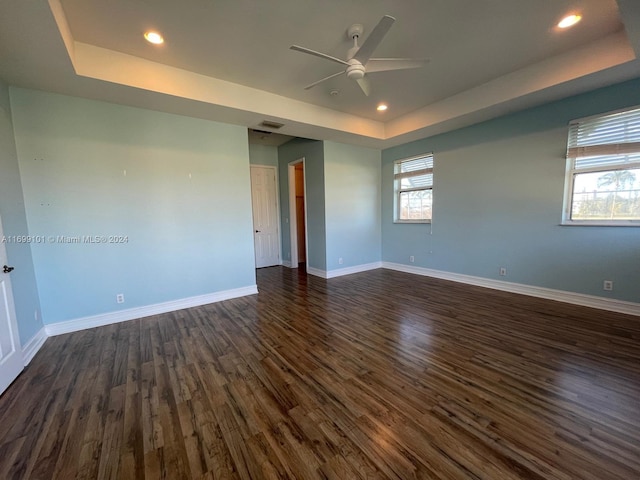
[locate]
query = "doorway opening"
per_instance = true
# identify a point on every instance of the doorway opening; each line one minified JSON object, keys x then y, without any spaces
{"x":298,"y":214}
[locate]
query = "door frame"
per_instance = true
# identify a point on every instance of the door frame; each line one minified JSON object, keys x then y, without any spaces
{"x":293,"y":220}
{"x":278,"y":224}
{"x":13,"y":322}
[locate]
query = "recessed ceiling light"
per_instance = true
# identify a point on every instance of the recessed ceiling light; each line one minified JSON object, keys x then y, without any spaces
{"x":153,"y":37}
{"x":569,"y":20}
{"x":381,"y":108}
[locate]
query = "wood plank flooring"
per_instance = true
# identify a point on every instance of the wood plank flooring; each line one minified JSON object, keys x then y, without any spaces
{"x":374,"y":375}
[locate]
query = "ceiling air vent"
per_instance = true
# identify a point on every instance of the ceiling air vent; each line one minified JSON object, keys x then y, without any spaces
{"x":269,"y":124}
{"x":263,"y":132}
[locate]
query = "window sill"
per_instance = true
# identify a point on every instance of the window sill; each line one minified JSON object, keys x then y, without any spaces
{"x":412,"y":222}
{"x":632,"y":223}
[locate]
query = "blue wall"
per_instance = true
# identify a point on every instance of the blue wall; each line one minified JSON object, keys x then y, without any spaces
{"x":498,"y":196}
{"x":14,"y":222}
{"x":263,"y":155}
{"x":313,"y":153}
{"x":178,"y":188}
{"x":352,"y":191}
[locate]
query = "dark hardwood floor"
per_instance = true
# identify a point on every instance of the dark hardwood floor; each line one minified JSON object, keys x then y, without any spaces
{"x":375,"y":375}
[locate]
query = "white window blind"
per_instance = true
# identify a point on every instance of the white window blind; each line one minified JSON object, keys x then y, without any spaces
{"x":603,"y":169}
{"x":608,"y":140}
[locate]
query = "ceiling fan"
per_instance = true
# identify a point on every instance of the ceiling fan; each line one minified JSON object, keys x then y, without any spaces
{"x":359,"y":62}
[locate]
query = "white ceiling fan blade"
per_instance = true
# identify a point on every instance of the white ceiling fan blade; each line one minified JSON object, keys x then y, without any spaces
{"x":385,"y":64}
{"x":322,"y":80}
{"x":373,"y":40}
{"x":317,"y":54}
{"x":364,"y":85}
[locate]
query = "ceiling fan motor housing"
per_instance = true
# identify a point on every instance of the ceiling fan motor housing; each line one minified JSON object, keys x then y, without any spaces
{"x":355,"y":70}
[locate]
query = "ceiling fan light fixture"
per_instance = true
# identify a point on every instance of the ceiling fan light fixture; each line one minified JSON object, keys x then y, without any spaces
{"x":153,"y":37}
{"x":569,"y":20}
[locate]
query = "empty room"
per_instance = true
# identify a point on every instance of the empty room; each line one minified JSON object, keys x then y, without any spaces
{"x":315,"y":239}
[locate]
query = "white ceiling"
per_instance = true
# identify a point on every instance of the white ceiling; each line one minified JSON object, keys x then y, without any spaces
{"x":230,"y":60}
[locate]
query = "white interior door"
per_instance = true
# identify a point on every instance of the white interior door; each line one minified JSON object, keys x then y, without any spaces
{"x":10,"y":351}
{"x":264,"y":196}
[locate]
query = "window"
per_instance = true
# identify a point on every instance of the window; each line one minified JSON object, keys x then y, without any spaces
{"x":413,"y":187}
{"x":603,"y":170}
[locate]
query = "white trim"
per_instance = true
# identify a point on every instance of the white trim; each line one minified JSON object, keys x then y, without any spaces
{"x":398,"y":190}
{"x":33,"y":345}
{"x":286,"y":263}
{"x":276,"y":173}
{"x":146,"y":311}
{"x":599,"y":223}
{"x":610,"y":153}
{"x":610,"y":304}
{"x":355,"y":269}
{"x":293,"y":212}
{"x":316,"y":272}
{"x":293,"y":241}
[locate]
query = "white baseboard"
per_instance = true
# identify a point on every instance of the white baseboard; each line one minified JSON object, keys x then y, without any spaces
{"x":339,"y":272}
{"x":146,"y":311}
{"x":355,"y":269}
{"x":602,"y":303}
{"x":316,"y":272}
{"x":286,"y":263}
{"x":31,"y":348}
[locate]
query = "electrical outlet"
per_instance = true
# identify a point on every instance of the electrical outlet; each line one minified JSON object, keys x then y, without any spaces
{"x":412,"y":259}
{"x":120,"y":298}
{"x":607,"y":285}
{"x":503,"y":271}
{"x":340,"y":261}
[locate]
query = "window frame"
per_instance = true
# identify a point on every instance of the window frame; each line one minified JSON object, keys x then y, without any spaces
{"x":397,"y":191}
{"x":571,"y":173}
